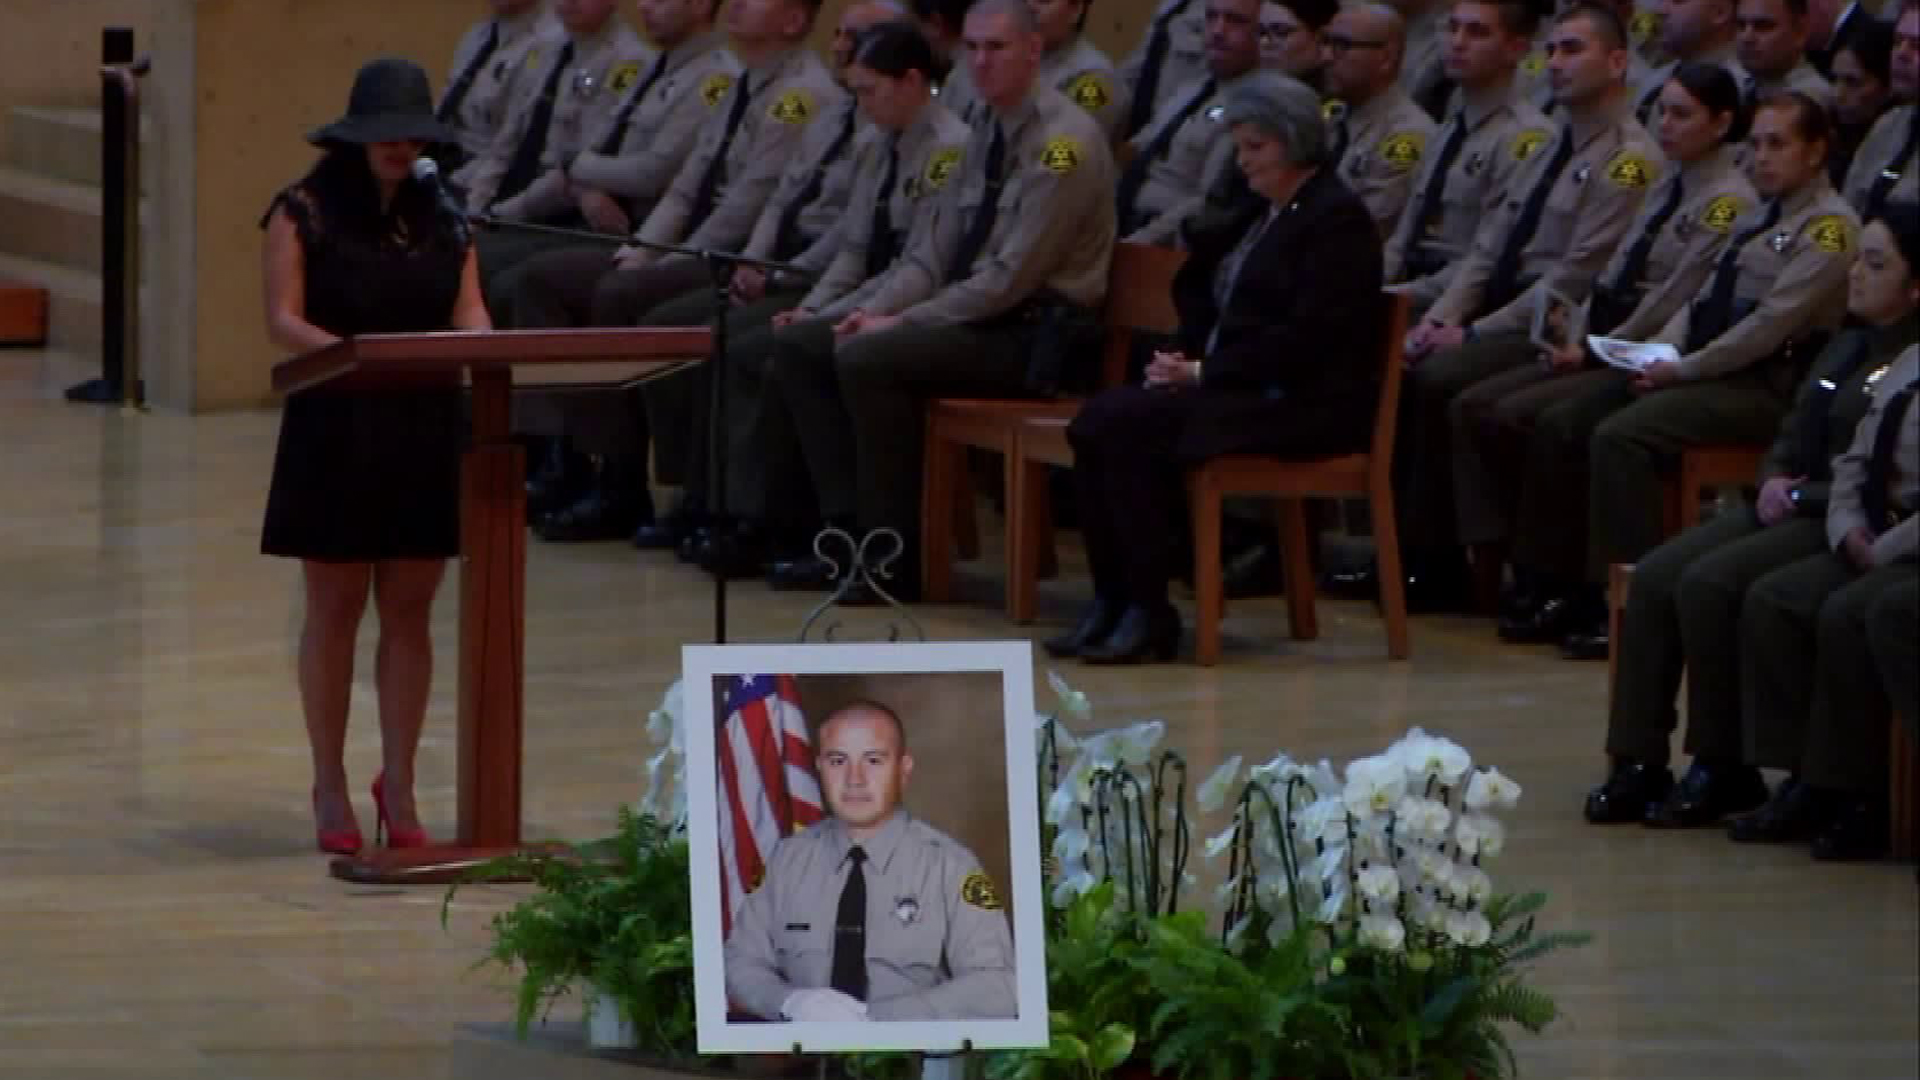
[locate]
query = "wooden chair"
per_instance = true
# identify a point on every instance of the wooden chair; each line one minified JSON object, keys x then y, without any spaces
{"x":1904,"y":763}
{"x":1368,"y":475}
{"x":1040,"y":444}
{"x":1705,"y":467}
{"x":1139,"y":298}
{"x":23,"y":314}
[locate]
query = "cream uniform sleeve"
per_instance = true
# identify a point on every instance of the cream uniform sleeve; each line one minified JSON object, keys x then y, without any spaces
{"x":1090,"y":82}
{"x":1846,"y":509}
{"x":1380,"y":164}
{"x":776,"y":932}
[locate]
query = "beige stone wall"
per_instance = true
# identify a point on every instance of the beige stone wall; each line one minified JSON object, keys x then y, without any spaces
{"x":50,"y":49}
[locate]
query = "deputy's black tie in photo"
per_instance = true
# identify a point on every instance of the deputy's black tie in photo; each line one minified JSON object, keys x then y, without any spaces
{"x":850,"y":930}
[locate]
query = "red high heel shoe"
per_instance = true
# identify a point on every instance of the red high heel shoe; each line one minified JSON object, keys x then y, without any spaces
{"x":346,"y":841}
{"x":384,"y":830}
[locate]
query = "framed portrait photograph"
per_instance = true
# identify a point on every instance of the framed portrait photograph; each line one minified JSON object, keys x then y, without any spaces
{"x":1557,"y":321}
{"x":866,"y":855}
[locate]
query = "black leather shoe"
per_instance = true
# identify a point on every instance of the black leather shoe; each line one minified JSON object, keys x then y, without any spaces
{"x":666,"y":533}
{"x":1795,"y":813}
{"x":1592,"y":641}
{"x":1634,"y":789}
{"x":1142,"y":634}
{"x":1856,"y":830}
{"x":1709,"y":792}
{"x":695,"y":546}
{"x":594,"y":516}
{"x":1547,"y":621}
{"x":1094,"y":628}
{"x":734,"y":553}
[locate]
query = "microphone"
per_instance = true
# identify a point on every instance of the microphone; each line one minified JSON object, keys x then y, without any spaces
{"x":426,"y":171}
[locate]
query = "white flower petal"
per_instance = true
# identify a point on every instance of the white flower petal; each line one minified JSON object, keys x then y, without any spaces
{"x":1218,"y":785}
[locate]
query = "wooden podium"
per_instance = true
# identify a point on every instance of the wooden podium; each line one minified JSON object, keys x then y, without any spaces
{"x":492,"y":541}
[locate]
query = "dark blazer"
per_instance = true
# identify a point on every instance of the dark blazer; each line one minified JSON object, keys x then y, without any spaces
{"x":1296,"y":369}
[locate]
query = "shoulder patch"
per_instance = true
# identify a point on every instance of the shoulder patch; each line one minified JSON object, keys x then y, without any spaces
{"x":1534,"y":62}
{"x":1830,"y":233}
{"x":941,"y":167}
{"x":1061,"y":156}
{"x":1528,"y":143}
{"x":1090,"y":91}
{"x":1644,"y":26}
{"x":1401,"y":150}
{"x":978,"y":890}
{"x":793,"y":107}
{"x":714,"y":88}
{"x":1722,"y":212}
{"x":623,"y":78}
{"x":1629,"y":170}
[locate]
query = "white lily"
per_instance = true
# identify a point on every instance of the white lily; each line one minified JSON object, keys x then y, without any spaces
{"x":1490,"y":789}
{"x":1218,"y":785}
{"x":1383,"y":932}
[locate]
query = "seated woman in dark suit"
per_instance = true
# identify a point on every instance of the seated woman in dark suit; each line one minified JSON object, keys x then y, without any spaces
{"x":1280,"y":321}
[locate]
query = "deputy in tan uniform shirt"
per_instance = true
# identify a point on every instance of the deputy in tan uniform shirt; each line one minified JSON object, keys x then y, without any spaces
{"x":1378,"y":133}
{"x":1886,"y":167}
{"x":1773,"y":50}
{"x":1077,"y":67}
{"x":1172,"y":53}
{"x":491,"y":69}
{"x":956,"y":313}
{"x":1495,"y":132}
{"x":1177,"y":157}
{"x":871,"y":914}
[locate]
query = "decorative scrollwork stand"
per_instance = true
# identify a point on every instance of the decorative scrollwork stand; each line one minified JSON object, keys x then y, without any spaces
{"x":859,"y":567}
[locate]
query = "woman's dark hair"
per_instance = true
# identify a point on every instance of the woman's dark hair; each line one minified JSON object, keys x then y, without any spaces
{"x":1903,"y":221}
{"x":894,"y":48}
{"x":349,"y":195}
{"x":1810,"y":120}
{"x":1715,"y":88}
{"x":1871,"y":42}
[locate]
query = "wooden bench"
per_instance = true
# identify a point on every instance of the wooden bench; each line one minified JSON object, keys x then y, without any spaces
{"x":23,"y":314}
{"x":1702,"y":468}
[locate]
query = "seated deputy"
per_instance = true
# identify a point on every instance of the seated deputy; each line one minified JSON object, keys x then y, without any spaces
{"x":1280,"y":328}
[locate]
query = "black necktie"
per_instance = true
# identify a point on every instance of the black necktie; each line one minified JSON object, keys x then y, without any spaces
{"x":1710,"y":317}
{"x":1430,"y":196}
{"x":1159,"y":41}
{"x":1341,"y":136}
{"x":1811,"y":416}
{"x":1505,"y":279}
{"x":1877,"y":497}
{"x":524,"y":169}
{"x":462,"y":86}
{"x":850,"y":931}
{"x":880,"y":246}
{"x":709,"y":189}
{"x":1135,"y":177}
{"x":784,"y":236}
{"x":975,"y":240}
{"x":1627,"y":282}
{"x":611,"y":144}
{"x":1890,"y":175}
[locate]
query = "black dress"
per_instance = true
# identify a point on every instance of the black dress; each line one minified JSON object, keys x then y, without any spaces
{"x":366,"y":474}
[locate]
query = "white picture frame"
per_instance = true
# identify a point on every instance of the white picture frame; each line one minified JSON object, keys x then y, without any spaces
{"x":1012,"y":661}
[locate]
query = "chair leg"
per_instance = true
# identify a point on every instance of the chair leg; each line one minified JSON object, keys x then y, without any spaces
{"x":1208,"y":590}
{"x":1297,"y":554}
{"x":1026,"y":530}
{"x":1393,"y":580}
{"x":1901,"y":792}
{"x":938,"y":518}
{"x":966,"y":528}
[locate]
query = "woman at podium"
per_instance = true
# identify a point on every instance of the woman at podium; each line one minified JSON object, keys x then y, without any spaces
{"x":365,"y":489}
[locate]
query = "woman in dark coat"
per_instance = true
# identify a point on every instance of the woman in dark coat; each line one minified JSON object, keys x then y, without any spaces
{"x":1281,"y":317}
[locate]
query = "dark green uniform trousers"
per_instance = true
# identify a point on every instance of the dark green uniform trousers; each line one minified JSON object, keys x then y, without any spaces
{"x":502,"y":252}
{"x":679,"y":406}
{"x":858,"y":407}
{"x":1423,"y":444}
{"x":1683,"y":617}
{"x":1550,"y":522}
{"x":1814,"y":703}
{"x":1493,"y":422}
{"x":1893,"y":630}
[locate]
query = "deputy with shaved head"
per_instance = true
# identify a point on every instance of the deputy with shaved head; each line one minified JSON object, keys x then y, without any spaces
{"x":872,"y":914}
{"x":1379,"y":133}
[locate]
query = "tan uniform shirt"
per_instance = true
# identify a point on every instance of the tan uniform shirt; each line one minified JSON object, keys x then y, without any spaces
{"x":1386,"y":138}
{"x":825,"y":151}
{"x":1587,"y":210}
{"x":603,"y":68}
{"x":1643,"y":79}
{"x":1803,"y":77}
{"x":1081,"y":71}
{"x":1177,"y":180}
{"x":1846,"y":505}
{"x":957,"y":95}
{"x":1716,"y":202}
{"x":1890,"y":134}
{"x":1186,"y":56}
{"x":1792,"y":279}
{"x":498,"y":86}
{"x":931,"y":152}
{"x":1053,"y":231}
{"x":787,"y":95}
{"x":1503,"y":131}
{"x":938,"y":943}
{"x":662,"y":128}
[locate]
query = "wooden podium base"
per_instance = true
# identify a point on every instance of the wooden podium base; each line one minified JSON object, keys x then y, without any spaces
{"x":435,"y":865}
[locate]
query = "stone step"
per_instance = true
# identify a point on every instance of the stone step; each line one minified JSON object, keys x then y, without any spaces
{"x":57,"y":143}
{"x":73,"y":302}
{"x":55,"y":221}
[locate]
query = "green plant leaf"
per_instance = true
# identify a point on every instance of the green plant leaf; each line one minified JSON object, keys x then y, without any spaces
{"x":1113,"y":1045}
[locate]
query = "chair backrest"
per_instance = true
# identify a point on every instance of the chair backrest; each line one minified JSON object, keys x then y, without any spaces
{"x":1139,"y":300}
{"x":1393,"y":353}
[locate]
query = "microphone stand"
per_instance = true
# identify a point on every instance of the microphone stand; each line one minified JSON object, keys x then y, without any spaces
{"x":721,"y":266}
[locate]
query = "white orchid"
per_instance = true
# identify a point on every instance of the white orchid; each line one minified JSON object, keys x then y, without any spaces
{"x":1331,"y":864}
{"x":1072,"y":702}
{"x":1219,"y":843}
{"x":1418,"y":818}
{"x":1468,"y":928}
{"x":1135,"y":743}
{"x":1336,"y":904}
{"x":1383,"y":932}
{"x":1490,"y":789}
{"x":1071,"y":844}
{"x":1473,"y":884}
{"x":1379,"y":884}
{"x":1072,"y":885}
{"x":1214,"y":790}
{"x":1062,"y":804}
{"x":1431,"y":757}
{"x":1374,"y":785}
{"x":1480,"y":835}
{"x":1323,"y":821}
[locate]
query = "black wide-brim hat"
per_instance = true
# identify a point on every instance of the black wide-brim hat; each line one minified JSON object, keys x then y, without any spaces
{"x":391,"y":101}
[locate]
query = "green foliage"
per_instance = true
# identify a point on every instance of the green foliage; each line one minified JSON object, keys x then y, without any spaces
{"x":615,"y":912}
